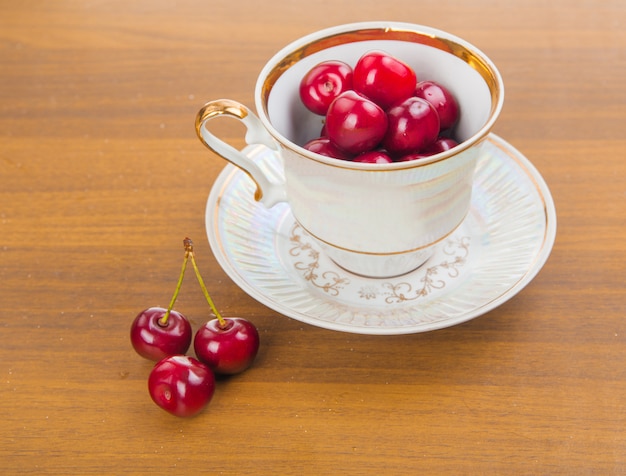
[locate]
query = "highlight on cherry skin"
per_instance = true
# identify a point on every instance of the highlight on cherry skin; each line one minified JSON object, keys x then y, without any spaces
{"x":181,"y":385}
{"x":156,"y":333}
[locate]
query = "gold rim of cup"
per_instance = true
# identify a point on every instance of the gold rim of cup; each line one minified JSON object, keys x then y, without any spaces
{"x":368,"y":31}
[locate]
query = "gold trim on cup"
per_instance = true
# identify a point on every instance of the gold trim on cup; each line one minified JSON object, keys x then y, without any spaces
{"x":226,"y":107}
{"x":381,"y":253}
{"x":412,"y":36}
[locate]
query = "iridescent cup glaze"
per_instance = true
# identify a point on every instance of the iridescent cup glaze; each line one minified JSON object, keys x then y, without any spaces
{"x":377,"y":220}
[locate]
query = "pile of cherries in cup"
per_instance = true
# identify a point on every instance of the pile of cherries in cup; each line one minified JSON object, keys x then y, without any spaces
{"x":180,"y":384}
{"x":378,"y":112}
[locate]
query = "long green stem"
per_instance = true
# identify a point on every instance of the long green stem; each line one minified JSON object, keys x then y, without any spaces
{"x":189,"y":249}
{"x":163,"y":321}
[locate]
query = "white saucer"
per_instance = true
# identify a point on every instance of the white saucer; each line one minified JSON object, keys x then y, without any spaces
{"x":499,"y":248}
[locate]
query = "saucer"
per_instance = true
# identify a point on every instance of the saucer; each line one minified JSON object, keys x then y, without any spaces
{"x":499,"y":248}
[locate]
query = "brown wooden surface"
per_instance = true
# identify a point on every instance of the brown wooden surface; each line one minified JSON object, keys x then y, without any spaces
{"x":101,"y":177}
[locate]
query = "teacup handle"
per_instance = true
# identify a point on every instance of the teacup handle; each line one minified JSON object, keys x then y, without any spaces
{"x":269,"y":190}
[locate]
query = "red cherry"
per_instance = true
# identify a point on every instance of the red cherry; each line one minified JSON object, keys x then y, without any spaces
{"x":323,"y":83}
{"x":383,"y":78}
{"x":443,"y":101}
{"x":354,"y":123}
{"x":181,"y":385}
{"x":440,"y":145}
{"x":413,"y":126}
{"x":228,"y":346}
{"x":156,"y":332}
{"x":410,"y":157}
{"x":324,"y":146}
{"x":373,"y":157}
{"x":154,"y":337}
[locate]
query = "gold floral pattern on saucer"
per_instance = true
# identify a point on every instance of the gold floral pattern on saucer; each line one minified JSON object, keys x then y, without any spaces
{"x":332,"y":282}
{"x":329,"y":281}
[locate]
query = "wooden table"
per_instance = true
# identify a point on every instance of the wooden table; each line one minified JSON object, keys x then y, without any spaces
{"x":102,"y":176}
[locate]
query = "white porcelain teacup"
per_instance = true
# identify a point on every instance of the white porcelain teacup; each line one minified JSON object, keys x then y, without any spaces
{"x":376,"y":220}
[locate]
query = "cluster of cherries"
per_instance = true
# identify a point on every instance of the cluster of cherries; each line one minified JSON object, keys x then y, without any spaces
{"x":180,"y":384}
{"x":378,"y":112}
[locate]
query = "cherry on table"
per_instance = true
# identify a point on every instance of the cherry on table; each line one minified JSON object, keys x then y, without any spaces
{"x":228,"y":346}
{"x":181,"y":385}
{"x":225,"y":345}
{"x":156,"y":332}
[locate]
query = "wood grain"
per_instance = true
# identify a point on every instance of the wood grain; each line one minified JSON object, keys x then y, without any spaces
{"x":101,"y":177}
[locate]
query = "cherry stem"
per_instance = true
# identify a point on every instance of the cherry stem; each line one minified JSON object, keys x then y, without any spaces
{"x":189,"y":252}
{"x":163,"y":321}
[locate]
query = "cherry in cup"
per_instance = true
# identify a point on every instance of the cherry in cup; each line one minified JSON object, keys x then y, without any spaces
{"x":323,"y":83}
{"x":386,"y":117}
{"x":373,"y":157}
{"x":324,"y":146}
{"x":442,"y":100}
{"x":383,"y":78}
{"x":413,"y":126}
{"x":354,"y":123}
{"x":440,"y":145}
